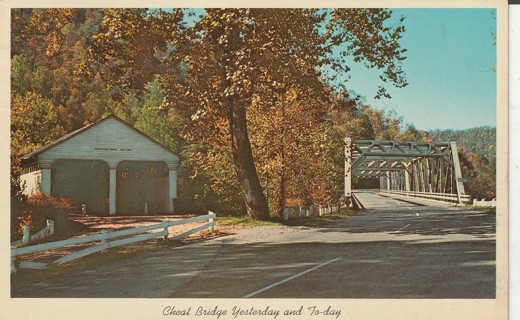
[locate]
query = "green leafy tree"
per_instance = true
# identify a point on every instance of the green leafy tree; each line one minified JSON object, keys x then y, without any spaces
{"x":159,"y":123}
{"x":27,"y":113}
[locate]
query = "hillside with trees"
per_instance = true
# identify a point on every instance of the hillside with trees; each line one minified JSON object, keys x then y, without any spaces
{"x":479,"y":140}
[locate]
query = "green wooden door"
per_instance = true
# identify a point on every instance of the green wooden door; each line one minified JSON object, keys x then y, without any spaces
{"x":82,"y":182}
{"x":142,"y":187}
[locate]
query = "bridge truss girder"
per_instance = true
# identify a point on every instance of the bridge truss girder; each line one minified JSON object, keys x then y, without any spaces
{"x":423,"y":167}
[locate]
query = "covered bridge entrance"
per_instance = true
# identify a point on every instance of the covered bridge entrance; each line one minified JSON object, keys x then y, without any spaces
{"x":104,"y":168}
{"x":82,"y":182}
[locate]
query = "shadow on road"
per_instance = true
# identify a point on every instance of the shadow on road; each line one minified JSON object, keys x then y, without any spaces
{"x":387,"y":254}
{"x":420,"y":222}
{"x":378,"y":269}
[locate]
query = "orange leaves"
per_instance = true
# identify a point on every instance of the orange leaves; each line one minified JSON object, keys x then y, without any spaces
{"x":480,"y":175}
{"x":287,"y":132}
{"x":41,"y":201}
{"x":51,"y":22}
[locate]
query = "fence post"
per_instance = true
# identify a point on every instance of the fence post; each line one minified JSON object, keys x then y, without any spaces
{"x":212,"y":227}
{"x":50,"y":227}
{"x":83,"y":208}
{"x":286,"y":213}
{"x":165,"y":238}
{"x":13,"y":260}
{"x":26,"y":235}
{"x":104,"y":240}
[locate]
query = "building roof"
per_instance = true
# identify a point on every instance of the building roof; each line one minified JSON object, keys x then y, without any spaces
{"x":32,"y":155}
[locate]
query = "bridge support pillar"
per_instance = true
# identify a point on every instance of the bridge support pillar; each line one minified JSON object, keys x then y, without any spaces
{"x":407,"y":177}
{"x":458,"y":173}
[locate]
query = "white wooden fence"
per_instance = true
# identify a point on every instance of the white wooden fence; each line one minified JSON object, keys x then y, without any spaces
{"x":27,"y":238}
{"x":484,"y":203}
{"x":312,"y":211}
{"x":109,"y":239}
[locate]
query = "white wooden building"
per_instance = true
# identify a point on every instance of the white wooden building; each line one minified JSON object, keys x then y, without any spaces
{"x":107,"y":167}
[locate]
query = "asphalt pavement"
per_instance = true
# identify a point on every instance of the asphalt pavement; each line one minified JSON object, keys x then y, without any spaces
{"x":394,"y":249}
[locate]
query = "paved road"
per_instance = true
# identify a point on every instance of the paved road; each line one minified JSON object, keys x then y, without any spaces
{"x":394,"y":250}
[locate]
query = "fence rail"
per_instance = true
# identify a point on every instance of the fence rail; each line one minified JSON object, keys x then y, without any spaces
{"x":111,"y":239}
{"x":444,"y":197}
{"x":484,"y":203}
{"x":311,"y":211}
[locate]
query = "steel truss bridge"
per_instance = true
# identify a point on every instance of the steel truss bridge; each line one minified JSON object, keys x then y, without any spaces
{"x":428,"y":170}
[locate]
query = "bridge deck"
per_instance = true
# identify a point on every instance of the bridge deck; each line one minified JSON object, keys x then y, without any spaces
{"x":371,"y":199}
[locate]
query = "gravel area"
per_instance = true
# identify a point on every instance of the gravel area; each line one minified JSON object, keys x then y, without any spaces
{"x":245,"y":235}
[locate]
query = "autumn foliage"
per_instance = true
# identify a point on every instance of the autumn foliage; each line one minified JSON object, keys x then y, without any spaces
{"x":479,"y":174}
{"x":251,"y":99}
{"x":39,"y":208}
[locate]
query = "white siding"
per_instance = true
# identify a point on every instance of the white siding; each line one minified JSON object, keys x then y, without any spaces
{"x":32,"y":182}
{"x":112,"y":141}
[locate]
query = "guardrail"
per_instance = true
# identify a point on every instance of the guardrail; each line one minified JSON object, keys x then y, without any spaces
{"x":443,"y":197}
{"x":110,"y":239}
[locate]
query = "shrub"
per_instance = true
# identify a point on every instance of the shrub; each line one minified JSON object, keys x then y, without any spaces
{"x":189,"y":206}
{"x":18,"y":206}
{"x":41,"y":207}
{"x":17,"y":215}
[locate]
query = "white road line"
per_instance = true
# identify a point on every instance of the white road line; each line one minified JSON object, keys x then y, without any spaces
{"x":290,"y":278}
{"x":404,"y":227}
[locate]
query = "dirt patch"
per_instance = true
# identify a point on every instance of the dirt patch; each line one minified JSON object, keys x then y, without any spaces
{"x":96,"y":224}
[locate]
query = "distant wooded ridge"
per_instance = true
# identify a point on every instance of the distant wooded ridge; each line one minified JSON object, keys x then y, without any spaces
{"x":478,"y":140}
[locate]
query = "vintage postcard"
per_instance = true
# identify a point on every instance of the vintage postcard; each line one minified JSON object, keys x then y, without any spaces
{"x":241,"y":160}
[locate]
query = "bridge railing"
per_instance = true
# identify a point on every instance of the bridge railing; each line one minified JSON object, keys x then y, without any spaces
{"x":443,"y":197}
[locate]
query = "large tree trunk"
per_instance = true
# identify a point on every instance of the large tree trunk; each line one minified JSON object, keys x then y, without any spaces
{"x":244,"y":164}
{"x":282,"y":196}
{"x":240,"y":146}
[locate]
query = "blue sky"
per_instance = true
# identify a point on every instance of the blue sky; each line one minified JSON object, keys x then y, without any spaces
{"x":450,"y":52}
